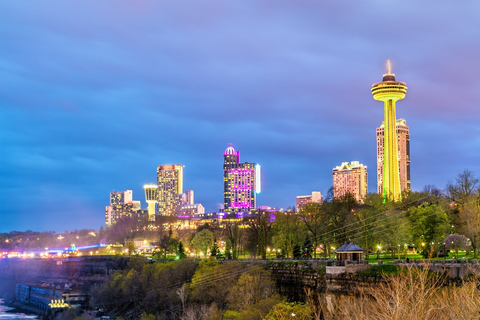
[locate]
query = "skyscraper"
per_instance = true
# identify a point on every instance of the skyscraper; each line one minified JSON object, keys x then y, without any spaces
{"x":389,"y":91}
{"x":350,"y":178}
{"x":170,"y":185}
{"x":241,"y":182}
{"x":403,"y":143}
{"x":121,"y":206}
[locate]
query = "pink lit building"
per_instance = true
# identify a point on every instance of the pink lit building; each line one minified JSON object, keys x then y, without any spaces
{"x":241,"y":182}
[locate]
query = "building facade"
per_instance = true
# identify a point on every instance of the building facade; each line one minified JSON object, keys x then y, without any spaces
{"x":403,"y":144}
{"x":350,"y":177}
{"x":241,"y":182}
{"x":170,"y":185}
{"x":316,"y":196}
{"x":122,"y":206}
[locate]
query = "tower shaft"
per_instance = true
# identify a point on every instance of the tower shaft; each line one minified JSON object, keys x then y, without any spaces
{"x":391,"y":174}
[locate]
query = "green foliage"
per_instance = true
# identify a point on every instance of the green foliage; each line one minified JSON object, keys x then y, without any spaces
{"x":133,"y":291}
{"x":289,"y":310}
{"x":252,"y":286}
{"x":146,"y":316}
{"x":203,"y":241}
{"x":214,"y":251}
{"x":232,"y":315}
{"x":181,"y":251}
{"x":429,"y":223}
{"x":287,"y":230}
{"x":212,"y":281}
{"x":257,"y":311}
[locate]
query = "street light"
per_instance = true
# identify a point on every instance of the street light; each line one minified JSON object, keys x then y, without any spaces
{"x":378,"y":252}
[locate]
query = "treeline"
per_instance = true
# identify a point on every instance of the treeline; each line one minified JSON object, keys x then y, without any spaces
{"x":421,"y":222}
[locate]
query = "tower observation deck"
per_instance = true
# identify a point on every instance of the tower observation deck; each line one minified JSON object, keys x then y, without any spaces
{"x":389,"y":91}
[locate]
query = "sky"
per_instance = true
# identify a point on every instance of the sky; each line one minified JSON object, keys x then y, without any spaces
{"x":95,"y":95}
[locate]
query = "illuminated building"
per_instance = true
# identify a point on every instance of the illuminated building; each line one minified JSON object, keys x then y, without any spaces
{"x":316,"y":196}
{"x":403,"y":143}
{"x":350,"y":178}
{"x":191,"y":210}
{"x":170,"y":185}
{"x":389,"y":91}
{"x":241,"y":182}
{"x":189,"y":197}
{"x":122,"y":206}
{"x":151,"y":196}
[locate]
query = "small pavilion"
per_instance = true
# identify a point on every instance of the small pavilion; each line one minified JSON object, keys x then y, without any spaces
{"x":349,"y":252}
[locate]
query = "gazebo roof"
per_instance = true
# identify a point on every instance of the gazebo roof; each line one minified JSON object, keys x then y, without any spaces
{"x":349,"y":247}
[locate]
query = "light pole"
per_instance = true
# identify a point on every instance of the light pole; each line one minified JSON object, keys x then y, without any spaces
{"x":378,"y":252}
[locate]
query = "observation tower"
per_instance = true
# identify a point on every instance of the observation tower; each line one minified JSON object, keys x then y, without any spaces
{"x":389,"y":91}
{"x":151,"y":196}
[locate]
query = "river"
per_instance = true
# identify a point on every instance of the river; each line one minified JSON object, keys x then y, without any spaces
{"x":4,"y":315}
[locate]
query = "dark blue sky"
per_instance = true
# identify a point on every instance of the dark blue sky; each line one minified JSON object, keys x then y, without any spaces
{"x":94,"y":95}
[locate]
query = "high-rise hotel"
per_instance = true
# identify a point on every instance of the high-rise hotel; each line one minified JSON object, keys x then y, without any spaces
{"x":350,"y":178}
{"x":403,"y":144}
{"x":241,"y":182}
{"x":170,"y":185}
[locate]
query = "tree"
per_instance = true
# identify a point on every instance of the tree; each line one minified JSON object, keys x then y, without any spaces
{"x":456,"y":242}
{"x":340,"y":212}
{"x":290,"y":310}
{"x":214,"y":251}
{"x":297,"y":252}
{"x":130,"y":247}
{"x":394,"y":230}
{"x":316,"y":222}
{"x":203,"y":241}
{"x":287,"y":230}
{"x":233,"y":234}
{"x":428,"y":223}
{"x":366,"y":229}
{"x":258,"y":233}
{"x":469,"y":224}
{"x":181,"y":251}
{"x":307,"y":248}
{"x":212,"y":281}
{"x":252,"y":286}
{"x":464,"y":188}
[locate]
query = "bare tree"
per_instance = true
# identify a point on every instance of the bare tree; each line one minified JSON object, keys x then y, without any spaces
{"x":464,"y":188}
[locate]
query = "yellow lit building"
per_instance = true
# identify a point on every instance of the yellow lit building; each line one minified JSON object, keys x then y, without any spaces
{"x":350,"y":178}
{"x":390,"y":91}
{"x":170,"y":185}
{"x":403,"y":144}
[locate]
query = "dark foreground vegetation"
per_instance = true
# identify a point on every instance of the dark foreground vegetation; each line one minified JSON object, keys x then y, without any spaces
{"x":234,"y":290}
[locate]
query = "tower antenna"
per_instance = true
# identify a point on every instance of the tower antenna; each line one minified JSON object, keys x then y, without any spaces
{"x":389,"y":67}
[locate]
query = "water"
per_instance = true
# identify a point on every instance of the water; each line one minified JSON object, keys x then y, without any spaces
{"x":4,"y":315}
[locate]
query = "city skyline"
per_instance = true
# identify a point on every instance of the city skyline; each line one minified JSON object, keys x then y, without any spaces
{"x":94,"y":97}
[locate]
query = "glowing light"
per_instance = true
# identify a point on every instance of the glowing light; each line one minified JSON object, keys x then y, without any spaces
{"x":258,"y":184}
{"x":389,"y":67}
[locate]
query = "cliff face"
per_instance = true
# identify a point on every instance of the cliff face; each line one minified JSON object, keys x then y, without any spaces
{"x":89,"y":270}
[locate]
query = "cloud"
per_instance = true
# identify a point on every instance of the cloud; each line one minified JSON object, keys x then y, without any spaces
{"x":95,"y":96}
